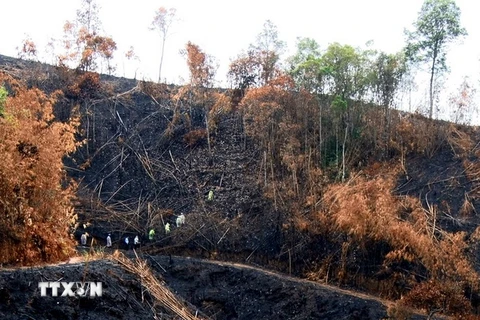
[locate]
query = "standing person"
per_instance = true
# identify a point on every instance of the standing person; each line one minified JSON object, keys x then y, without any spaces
{"x":109,"y":241}
{"x":136,"y":242}
{"x":127,"y":246}
{"x":167,"y":228}
{"x":210,"y":195}
{"x":180,"y":220}
{"x":151,"y":235}
{"x":83,"y":239}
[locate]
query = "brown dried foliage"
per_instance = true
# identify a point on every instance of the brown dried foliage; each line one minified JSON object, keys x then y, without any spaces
{"x":28,"y":49}
{"x":157,"y":288}
{"x":157,"y":91}
{"x":201,"y":66}
{"x":221,"y":105}
{"x":35,"y":196}
{"x":446,"y":297}
{"x":416,"y":134}
{"x":460,"y":141}
{"x":263,"y":107}
{"x":195,"y":137}
{"x":280,"y":118}
{"x":85,"y":86}
{"x":463,"y":143}
{"x":83,"y":44}
{"x":244,"y":72}
{"x":366,"y":209}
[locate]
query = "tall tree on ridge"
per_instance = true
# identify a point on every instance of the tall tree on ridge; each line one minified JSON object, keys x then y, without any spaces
{"x":84,"y":45}
{"x":202,"y":75}
{"x":162,"y":22}
{"x":438,"y":24}
{"x":267,"y":50}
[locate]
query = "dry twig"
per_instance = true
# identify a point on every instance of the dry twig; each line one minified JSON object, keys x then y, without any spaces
{"x":156,"y":288}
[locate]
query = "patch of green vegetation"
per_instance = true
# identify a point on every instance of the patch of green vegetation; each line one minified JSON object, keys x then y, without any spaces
{"x":3,"y":100}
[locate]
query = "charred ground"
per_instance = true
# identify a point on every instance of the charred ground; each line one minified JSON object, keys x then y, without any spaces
{"x":212,"y":289}
{"x":147,"y":158}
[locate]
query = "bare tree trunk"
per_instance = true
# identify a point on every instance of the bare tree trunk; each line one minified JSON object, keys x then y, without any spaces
{"x":336,"y":147}
{"x":273,"y":185}
{"x":431,"y":93}
{"x":343,"y":153}
{"x":432,"y":76}
{"x":161,"y":61}
{"x":320,"y":134}
{"x":208,"y":135}
{"x":289,"y":262}
{"x":386,"y":132}
{"x":244,"y":134}
{"x":265,"y":163}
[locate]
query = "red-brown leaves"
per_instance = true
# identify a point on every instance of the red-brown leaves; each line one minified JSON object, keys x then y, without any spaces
{"x":244,"y":72}
{"x":260,"y":105}
{"x":434,"y":295}
{"x":36,"y":211}
{"x":28,"y":49}
{"x":366,"y":209}
{"x":83,"y":43}
{"x":195,"y":137}
{"x":85,"y":86}
{"x":201,"y":66}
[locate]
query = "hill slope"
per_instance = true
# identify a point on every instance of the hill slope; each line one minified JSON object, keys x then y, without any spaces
{"x":380,"y":211}
{"x":217,"y":290}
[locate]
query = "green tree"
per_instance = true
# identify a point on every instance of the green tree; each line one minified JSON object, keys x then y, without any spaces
{"x":267,"y":50}
{"x":346,"y":70}
{"x":310,"y":73}
{"x":386,"y":76}
{"x":437,"y":25}
{"x":387,"y":73}
{"x":306,"y":65}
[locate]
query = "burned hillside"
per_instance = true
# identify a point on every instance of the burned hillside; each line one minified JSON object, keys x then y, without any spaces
{"x":355,"y":195}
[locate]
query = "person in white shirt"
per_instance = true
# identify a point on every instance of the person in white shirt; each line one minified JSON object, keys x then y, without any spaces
{"x":109,"y":241}
{"x":136,"y":242}
{"x":180,"y":220}
{"x":83,"y":239}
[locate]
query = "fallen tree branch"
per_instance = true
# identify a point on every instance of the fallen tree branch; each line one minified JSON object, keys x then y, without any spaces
{"x":156,"y":288}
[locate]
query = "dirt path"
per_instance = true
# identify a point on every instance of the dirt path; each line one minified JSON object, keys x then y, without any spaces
{"x":219,"y":289}
{"x":316,"y":300}
{"x":298,"y":280}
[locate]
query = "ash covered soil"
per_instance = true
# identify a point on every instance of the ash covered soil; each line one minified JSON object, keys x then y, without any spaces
{"x":182,"y":178}
{"x":212,"y":289}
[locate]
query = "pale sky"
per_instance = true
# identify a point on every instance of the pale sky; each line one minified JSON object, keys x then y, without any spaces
{"x":225,"y":28}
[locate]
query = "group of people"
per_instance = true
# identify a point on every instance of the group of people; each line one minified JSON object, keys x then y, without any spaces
{"x":180,"y":221}
{"x":129,"y":244}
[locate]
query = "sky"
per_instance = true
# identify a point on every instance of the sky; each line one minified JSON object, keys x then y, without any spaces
{"x":224,"y":28}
